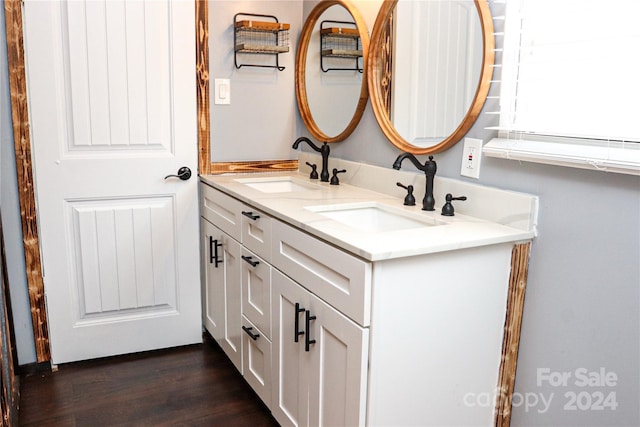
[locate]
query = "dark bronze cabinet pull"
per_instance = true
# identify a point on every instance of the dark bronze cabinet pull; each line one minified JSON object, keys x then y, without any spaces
{"x":250,"y":215}
{"x":307,"y":320}
{"x":251,"y":334}
{"x":297,"y":332}
{"x":213,"y":251}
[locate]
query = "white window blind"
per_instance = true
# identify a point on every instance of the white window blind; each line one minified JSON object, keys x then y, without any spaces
{"x":571,"y":69}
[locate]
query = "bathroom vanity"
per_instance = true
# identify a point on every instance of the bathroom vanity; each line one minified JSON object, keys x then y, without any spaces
{"x":341,"y":306}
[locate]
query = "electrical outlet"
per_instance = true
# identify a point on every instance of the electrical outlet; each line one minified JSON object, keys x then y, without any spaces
{"x":222,"y":91}
{"x":471,"y":158}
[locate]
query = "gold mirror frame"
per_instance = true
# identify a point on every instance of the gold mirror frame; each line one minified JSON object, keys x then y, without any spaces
{"x":301,"y":61}
{"x":376,"y":65}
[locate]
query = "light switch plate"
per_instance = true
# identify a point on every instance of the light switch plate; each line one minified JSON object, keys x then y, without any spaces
{"x":471,"y":158}
{"x":222,"y":92}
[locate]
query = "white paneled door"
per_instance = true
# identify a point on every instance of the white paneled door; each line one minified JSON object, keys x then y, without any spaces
{"x":112,"y":103}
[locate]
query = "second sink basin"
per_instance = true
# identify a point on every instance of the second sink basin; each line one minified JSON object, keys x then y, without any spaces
{"x":374,"y":217}
{"x":283,"y":184}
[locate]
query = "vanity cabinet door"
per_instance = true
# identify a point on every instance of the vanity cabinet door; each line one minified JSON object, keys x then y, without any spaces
{"x":222,"y":290}
{"x":338,"y":368}
{"x":321,"y":379}
{"x":289,"y":401}
{"x":212,"y":280}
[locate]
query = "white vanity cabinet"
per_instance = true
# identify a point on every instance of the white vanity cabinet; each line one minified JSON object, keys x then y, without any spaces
{"x":318,"y":379}
{"x":331,"y":339}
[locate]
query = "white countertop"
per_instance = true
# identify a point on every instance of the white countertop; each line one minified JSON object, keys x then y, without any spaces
{"x":457,"y":232}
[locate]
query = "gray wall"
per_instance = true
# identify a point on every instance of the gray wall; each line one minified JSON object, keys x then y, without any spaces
{"x":11,"y":216}
{"x":261,"y":122}
{"x":582,"y":308}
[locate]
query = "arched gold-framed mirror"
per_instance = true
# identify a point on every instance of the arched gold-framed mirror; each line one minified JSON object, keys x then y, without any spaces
{"x":382,"y":72}
{"x":309,"y":116}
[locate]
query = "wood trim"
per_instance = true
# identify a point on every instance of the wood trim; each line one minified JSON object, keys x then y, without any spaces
{"x":511,"y":337}
{"x":22,"y":141}
{"x":254,"y":166}
{"x":202,"y":76}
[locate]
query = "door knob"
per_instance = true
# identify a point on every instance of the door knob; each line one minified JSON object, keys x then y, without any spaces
{"x":184,"y":173}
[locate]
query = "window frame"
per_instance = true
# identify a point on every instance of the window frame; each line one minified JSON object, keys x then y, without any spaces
{"x":596,"y":154}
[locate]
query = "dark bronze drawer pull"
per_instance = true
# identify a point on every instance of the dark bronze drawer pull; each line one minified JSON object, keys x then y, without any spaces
{"x":250,"y":260}
{"x":250,"y":215}
{"x":251,"y":334}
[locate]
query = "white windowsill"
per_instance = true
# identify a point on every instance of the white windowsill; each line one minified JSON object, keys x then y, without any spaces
{"x":613,"y":157}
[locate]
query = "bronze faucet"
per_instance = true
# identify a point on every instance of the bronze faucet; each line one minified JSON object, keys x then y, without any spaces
{"x":429,"y":168}
{"x":323,"y":150}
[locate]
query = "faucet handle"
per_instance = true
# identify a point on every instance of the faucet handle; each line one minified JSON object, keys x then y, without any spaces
{"x":409,"y":199}
{"x":447,"y":209}
{"x":314,"y":171}
{"x":334,"y":178}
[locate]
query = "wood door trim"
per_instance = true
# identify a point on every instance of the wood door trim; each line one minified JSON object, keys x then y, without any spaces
{"x":202,"y":77}
{"x":22,"y":142}
{"x":512,"y":328}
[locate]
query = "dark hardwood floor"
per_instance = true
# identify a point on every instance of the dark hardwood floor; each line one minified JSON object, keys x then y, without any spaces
{"x":187,"y":386}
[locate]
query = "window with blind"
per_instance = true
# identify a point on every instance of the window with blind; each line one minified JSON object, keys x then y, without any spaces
{"x":570,"y":85}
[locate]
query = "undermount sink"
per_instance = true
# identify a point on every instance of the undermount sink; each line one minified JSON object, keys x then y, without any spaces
{"x":374,"y":217}
{"x":282,"y":184}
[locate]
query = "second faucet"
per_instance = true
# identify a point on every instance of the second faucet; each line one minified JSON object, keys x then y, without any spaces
{"x":429,"y":168}
{"x":323,"y":150}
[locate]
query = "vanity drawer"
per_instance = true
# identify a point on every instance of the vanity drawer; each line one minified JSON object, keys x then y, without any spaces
{"x":256,"y":232}
{"x":256,"y":359}
{"x":335,"y":276}
{"x":256,"y":291}
{"x":221,"y":210}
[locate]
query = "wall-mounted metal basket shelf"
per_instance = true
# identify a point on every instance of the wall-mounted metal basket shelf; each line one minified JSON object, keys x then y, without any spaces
{"x":262,"y":37}
{"x":340,"y":39}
